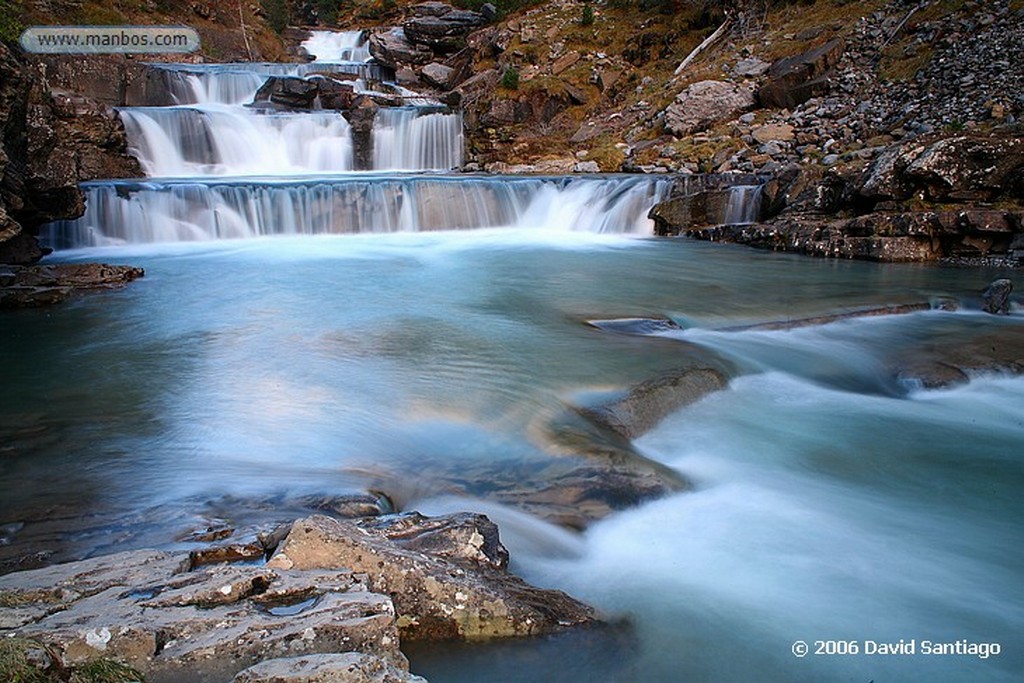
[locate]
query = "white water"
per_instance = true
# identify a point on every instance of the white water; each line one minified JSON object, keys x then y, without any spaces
{"x":145,"y":212}
{"x":337,"y":46}
{"x":743,"y":205}
{"x":219,"y":140}
{"x":404,"y":138}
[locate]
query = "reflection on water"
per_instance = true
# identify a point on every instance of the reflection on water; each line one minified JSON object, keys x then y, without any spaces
{"x":832,"y":500}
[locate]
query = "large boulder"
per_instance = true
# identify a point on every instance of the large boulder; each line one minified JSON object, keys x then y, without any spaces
{"x":796,"y":79}
{"x":393,"y":49}
{"x":288,"y":92}
{"x":705,"y":103}
{"x":463,"y":593}
{"x":443,"y":28}
{"x":967,"y":168}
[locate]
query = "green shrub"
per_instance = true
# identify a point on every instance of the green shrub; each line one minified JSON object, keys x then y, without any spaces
{"x":327,"y":11}
{"x":276,"y":14}
{"x":510,"y":79}
{"x":588,"y":16}
{"x":10,"y":20}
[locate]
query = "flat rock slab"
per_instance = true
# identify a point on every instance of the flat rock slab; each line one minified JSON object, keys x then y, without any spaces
{"x":350,"y":667}
{"x":145,"y":609}
{"x":463,"y":596}
{"x":43,"y":285}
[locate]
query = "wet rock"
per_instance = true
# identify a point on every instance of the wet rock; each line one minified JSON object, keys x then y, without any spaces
{"x":462,"y":536}
{"x":636,"y":326}
{"x":334,"y":94}
{"x":289,"y":92}
{"x":144,"y":608}
{"x":794,"y":80}
{"x":996,"y":297}
{"x":648,"y":403}
{"x":435,"y":597}
{"x":705,"y":103}
{"x":441,"y":27}
{"x":895,"y":309}
{"x":361,"y":117}
{"x":41,"y":285}
{"x":349,"y":667}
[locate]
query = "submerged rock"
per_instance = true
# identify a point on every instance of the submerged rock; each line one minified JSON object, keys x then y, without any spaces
{"x":649,"y":402}
{"x":43,"y":285}
{"x":461,"y":594}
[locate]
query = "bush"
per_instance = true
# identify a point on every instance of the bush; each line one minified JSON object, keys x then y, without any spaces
{"x":10,"y":20}
{"x":276,"y":14}
{"x":588,"y":16}
{"x":510,"y":79}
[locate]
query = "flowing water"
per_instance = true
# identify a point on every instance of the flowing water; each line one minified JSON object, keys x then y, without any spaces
{"x":330,"y":333}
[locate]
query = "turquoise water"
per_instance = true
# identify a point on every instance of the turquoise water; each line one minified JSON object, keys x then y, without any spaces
{"x":831,"y":501}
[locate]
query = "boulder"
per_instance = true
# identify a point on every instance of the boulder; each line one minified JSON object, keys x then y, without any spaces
{"x":796,"y":79}
{"x":705,"y":103}
{"x":438,"y":75}
{"x":360,"y":117}
{"x":288,"y":92}
{"x":967,"y":168}
{"x":393,"y":49}
{"x":348,"y":667}
{"x":463,"y":594}
{"x":751,"y":67}
{"x":996,"y":297}
{"x":443,"y":33}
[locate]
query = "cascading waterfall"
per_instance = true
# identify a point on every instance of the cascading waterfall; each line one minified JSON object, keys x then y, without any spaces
{"x":219,"y":140}
{"x":408,"y":138}
{"x":182,"y":210}
{"x":743,"y":205}
{"x":337,"y":46}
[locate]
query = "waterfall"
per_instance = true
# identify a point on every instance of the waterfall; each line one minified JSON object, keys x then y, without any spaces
{"x":218,"y":140}
{"x":183,"y":210}
{"x":237,"y":83}
{"x":407,"y":138}
{"x":337,"y":46}
{"x":743,"y":205}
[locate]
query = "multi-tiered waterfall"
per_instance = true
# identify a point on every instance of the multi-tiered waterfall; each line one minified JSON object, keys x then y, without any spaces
{"x":219,"y":168}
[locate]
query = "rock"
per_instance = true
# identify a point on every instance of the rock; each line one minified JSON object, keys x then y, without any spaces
{"x":289,"y":92}
{"x":435,"y":597}
{"x":438,"y":75}
{"x":636,"y":326}
{"x":796,"y":79}
{"x":751,"y":67}
{"x":145,"y":609}
{"x":705,"y":103}
{"x":773,"y":132}
{"x":442,"y":30}
{"x":393,"y":49}
{"x":970,"y":168}
{"x":349,"y":667}
{"x":996,"y":297}
{"x":676,"y":215}
{"x":333,"y":94}
{"x":43,"y":285}
{"x":586,"y":167}
{"x":564,"y":62}
{"x":361,"y":117}
{"x":649,"y":402}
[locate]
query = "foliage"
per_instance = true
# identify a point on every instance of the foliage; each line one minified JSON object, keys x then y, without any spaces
{"x":510,"y":79}
{"x":20,"y":663}
{"x":588,"y":15}
{"x":276,"y":14}
{"x":327,"y":11}
{"x":10,"y":20}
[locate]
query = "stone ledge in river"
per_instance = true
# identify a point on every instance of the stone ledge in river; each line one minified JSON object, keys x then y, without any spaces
{"x":43,"y":285}
{"x":649,"y":402}
{"x":349,"y":667}
{"x":145,"y":609}
{"x":435,"y":597}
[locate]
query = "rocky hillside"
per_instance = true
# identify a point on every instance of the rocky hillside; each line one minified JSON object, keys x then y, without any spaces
{"x":818,"y":96}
